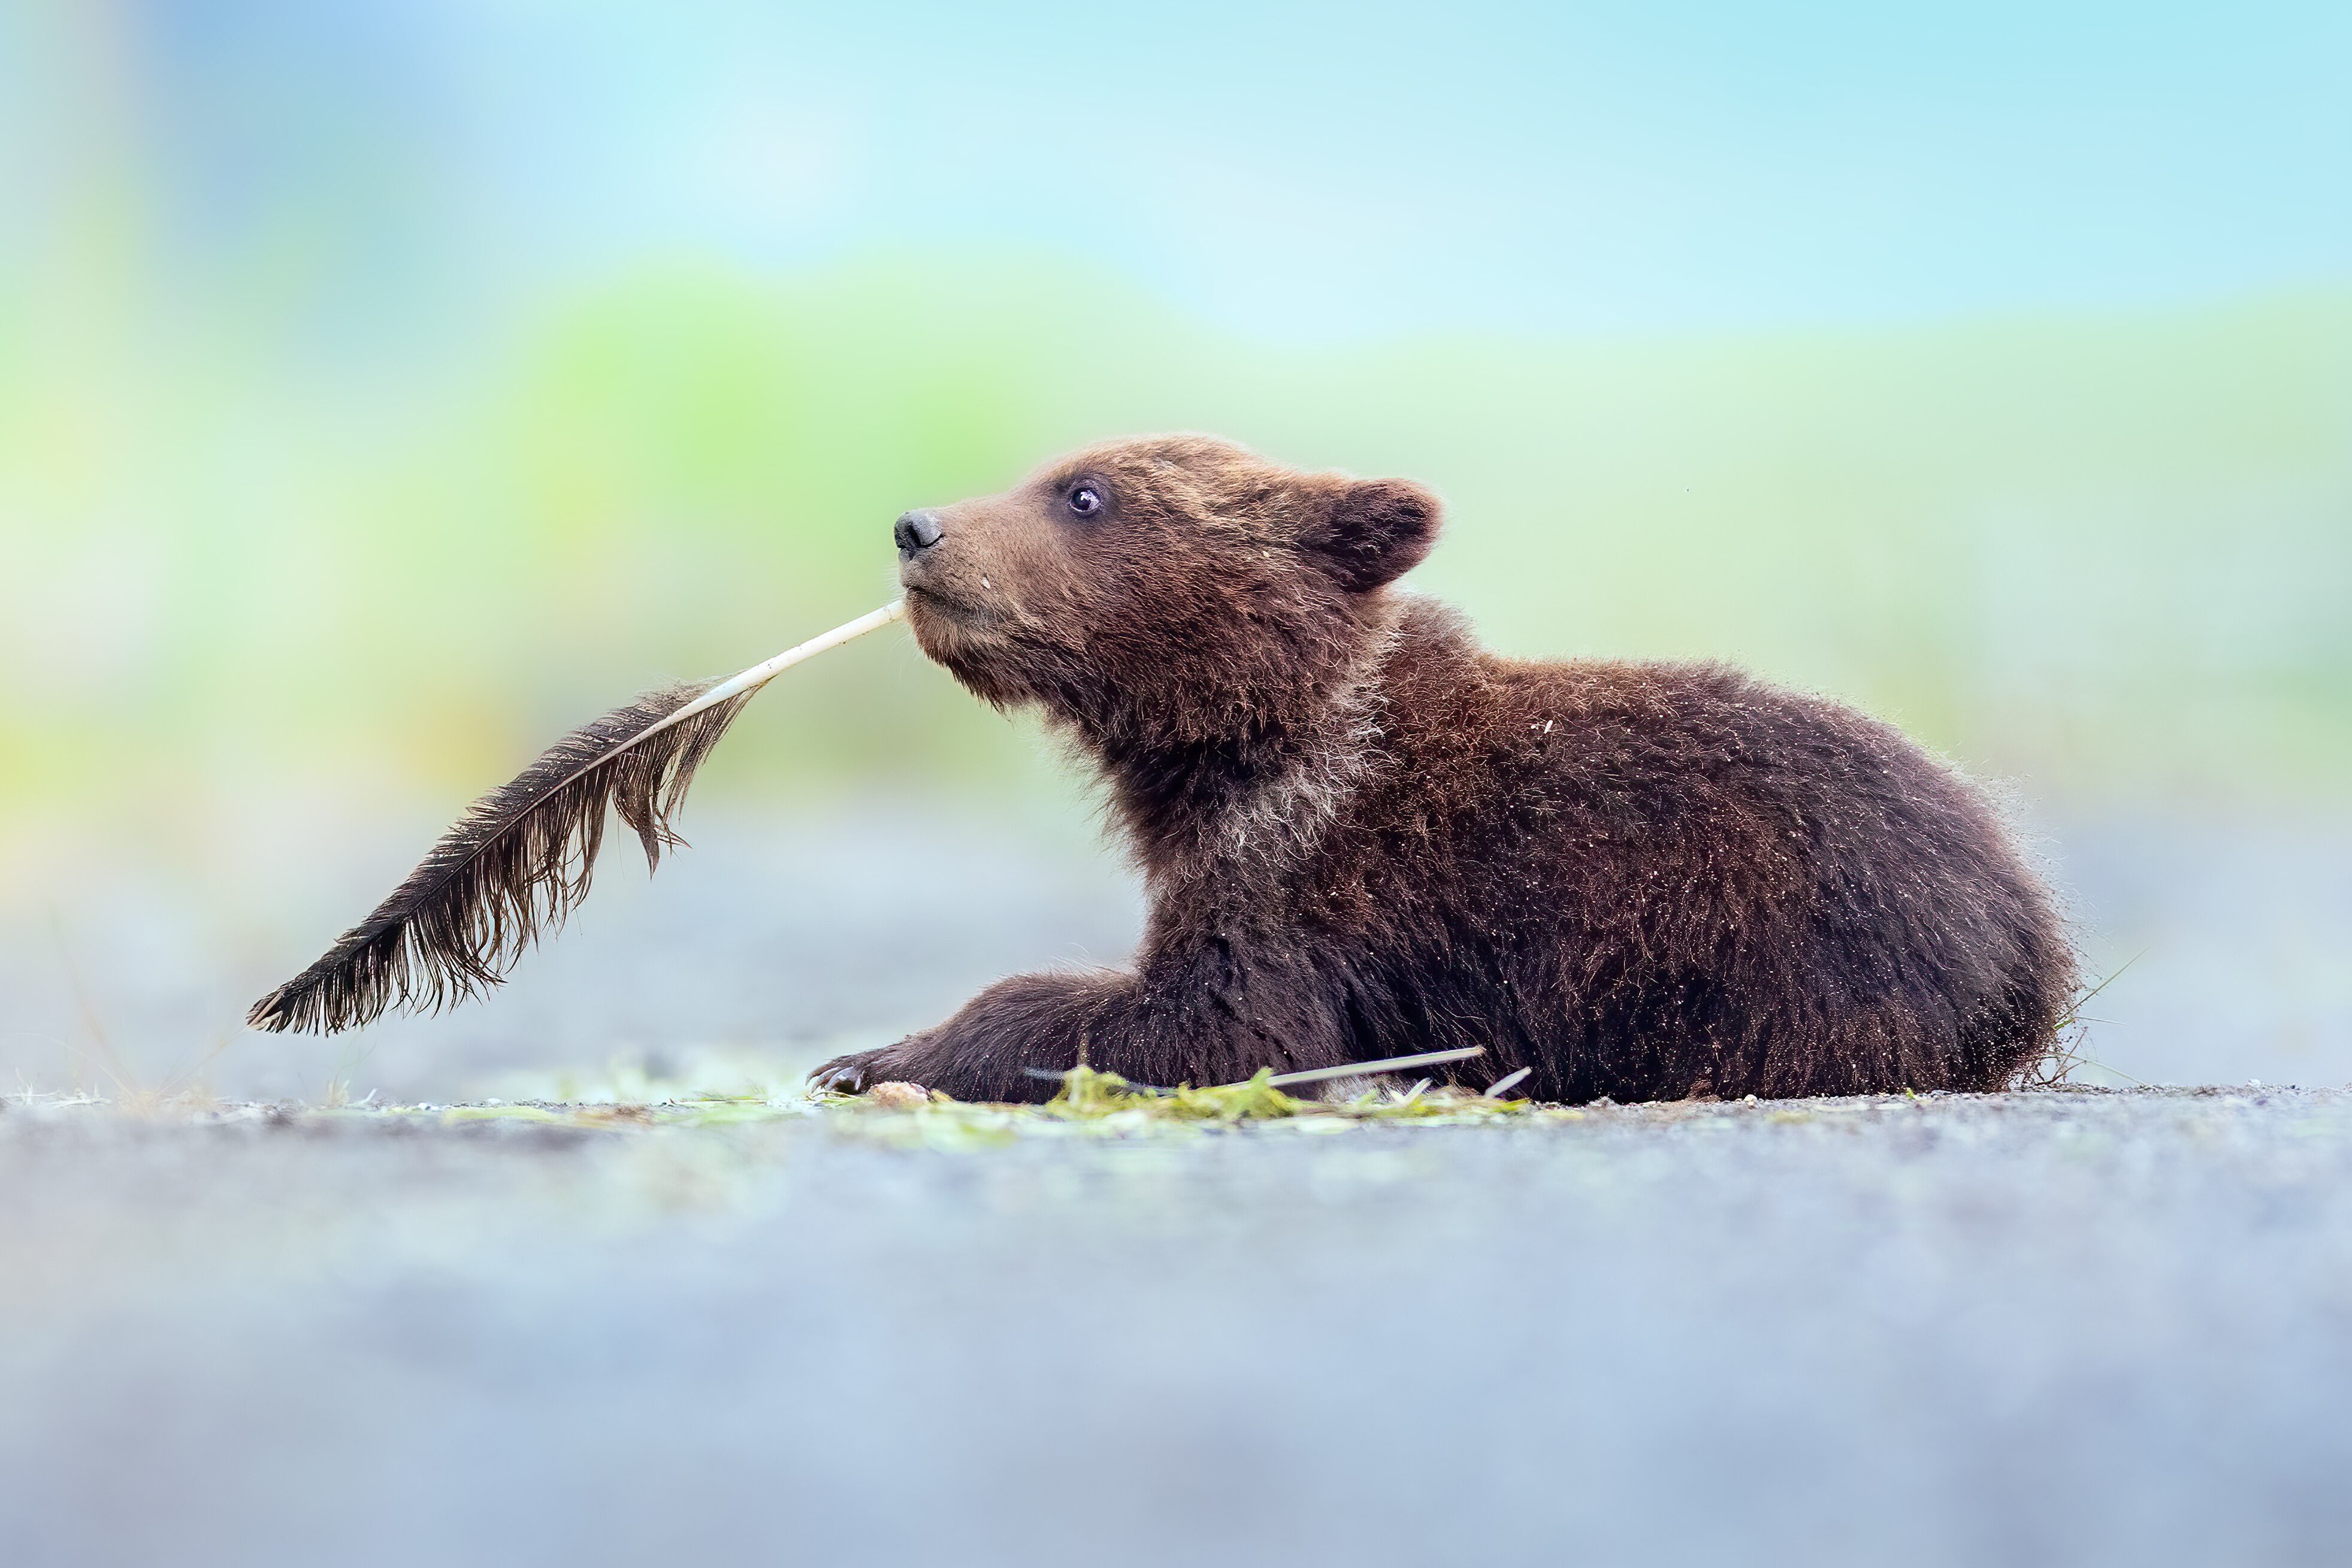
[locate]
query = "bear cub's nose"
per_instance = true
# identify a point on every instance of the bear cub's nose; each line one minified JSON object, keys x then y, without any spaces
{"x":916,"y":531}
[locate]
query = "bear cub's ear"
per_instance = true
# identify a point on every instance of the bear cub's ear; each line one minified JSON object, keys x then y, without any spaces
{"x":1375,"y":532}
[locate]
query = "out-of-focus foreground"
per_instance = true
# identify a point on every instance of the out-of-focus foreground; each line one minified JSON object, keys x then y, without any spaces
{"x":2034,"y":1328}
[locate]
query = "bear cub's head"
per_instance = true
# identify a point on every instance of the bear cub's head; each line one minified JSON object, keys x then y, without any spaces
{"x":1163,"y":589}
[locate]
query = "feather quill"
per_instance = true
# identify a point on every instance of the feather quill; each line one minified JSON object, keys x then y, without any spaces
{"x":518,"y":861}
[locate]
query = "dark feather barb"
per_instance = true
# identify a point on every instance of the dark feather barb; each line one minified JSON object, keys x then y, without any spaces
{"x":512,"y":869}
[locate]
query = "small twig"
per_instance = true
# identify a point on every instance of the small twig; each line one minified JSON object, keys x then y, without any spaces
{"x":1308,"y":1075}
{"x":1503,"y":1084}
{"x":1389,"y":1064}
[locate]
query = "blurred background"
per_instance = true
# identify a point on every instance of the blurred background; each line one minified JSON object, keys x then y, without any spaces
{"x":387,"y":385}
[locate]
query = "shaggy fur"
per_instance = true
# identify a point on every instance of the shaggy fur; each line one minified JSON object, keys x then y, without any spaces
{"x":1363,"y":836}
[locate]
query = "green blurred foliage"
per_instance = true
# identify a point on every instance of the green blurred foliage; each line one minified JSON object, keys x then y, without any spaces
{"x":2105,"y":556}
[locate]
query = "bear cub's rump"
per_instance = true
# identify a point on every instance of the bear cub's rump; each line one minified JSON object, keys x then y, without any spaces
{"x":1363,"y":836}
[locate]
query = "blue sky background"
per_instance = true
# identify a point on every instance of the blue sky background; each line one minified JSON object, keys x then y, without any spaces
{"x":1287,"y":170}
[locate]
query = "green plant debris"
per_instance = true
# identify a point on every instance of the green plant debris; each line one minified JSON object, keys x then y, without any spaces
{"x":1096,"y":1105}
{"x":1088,"y":1095}
{"x":1089,"y":1104}
{"x":1104,"y":1104}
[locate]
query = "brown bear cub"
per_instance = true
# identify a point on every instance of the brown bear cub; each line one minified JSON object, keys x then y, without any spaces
{"x":1363,"y":836}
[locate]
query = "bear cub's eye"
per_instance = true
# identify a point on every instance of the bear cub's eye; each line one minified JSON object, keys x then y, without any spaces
{"x":1086,"y":501}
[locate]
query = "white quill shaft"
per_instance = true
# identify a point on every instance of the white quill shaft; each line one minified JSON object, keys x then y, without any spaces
{"x":767,"y":670}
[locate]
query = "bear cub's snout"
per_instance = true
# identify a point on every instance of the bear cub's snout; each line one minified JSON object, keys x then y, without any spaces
{"x":915,"y":532}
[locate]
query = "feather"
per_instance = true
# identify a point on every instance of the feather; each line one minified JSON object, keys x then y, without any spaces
{"x":518,"y":861}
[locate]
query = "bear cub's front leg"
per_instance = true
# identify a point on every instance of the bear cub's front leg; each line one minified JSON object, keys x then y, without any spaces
{"x":1031,"y":1021}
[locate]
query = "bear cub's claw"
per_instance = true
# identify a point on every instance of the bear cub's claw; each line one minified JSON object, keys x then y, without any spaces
{"x":854,"y":1074}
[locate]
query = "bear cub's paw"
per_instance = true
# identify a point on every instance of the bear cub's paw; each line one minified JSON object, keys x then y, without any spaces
{"x":861,"y":1071}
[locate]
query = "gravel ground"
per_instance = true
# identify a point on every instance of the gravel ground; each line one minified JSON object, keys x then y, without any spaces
{"x":2059,"y":1327}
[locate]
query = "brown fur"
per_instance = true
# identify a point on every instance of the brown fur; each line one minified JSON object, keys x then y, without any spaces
{"x":1363,"y":836}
